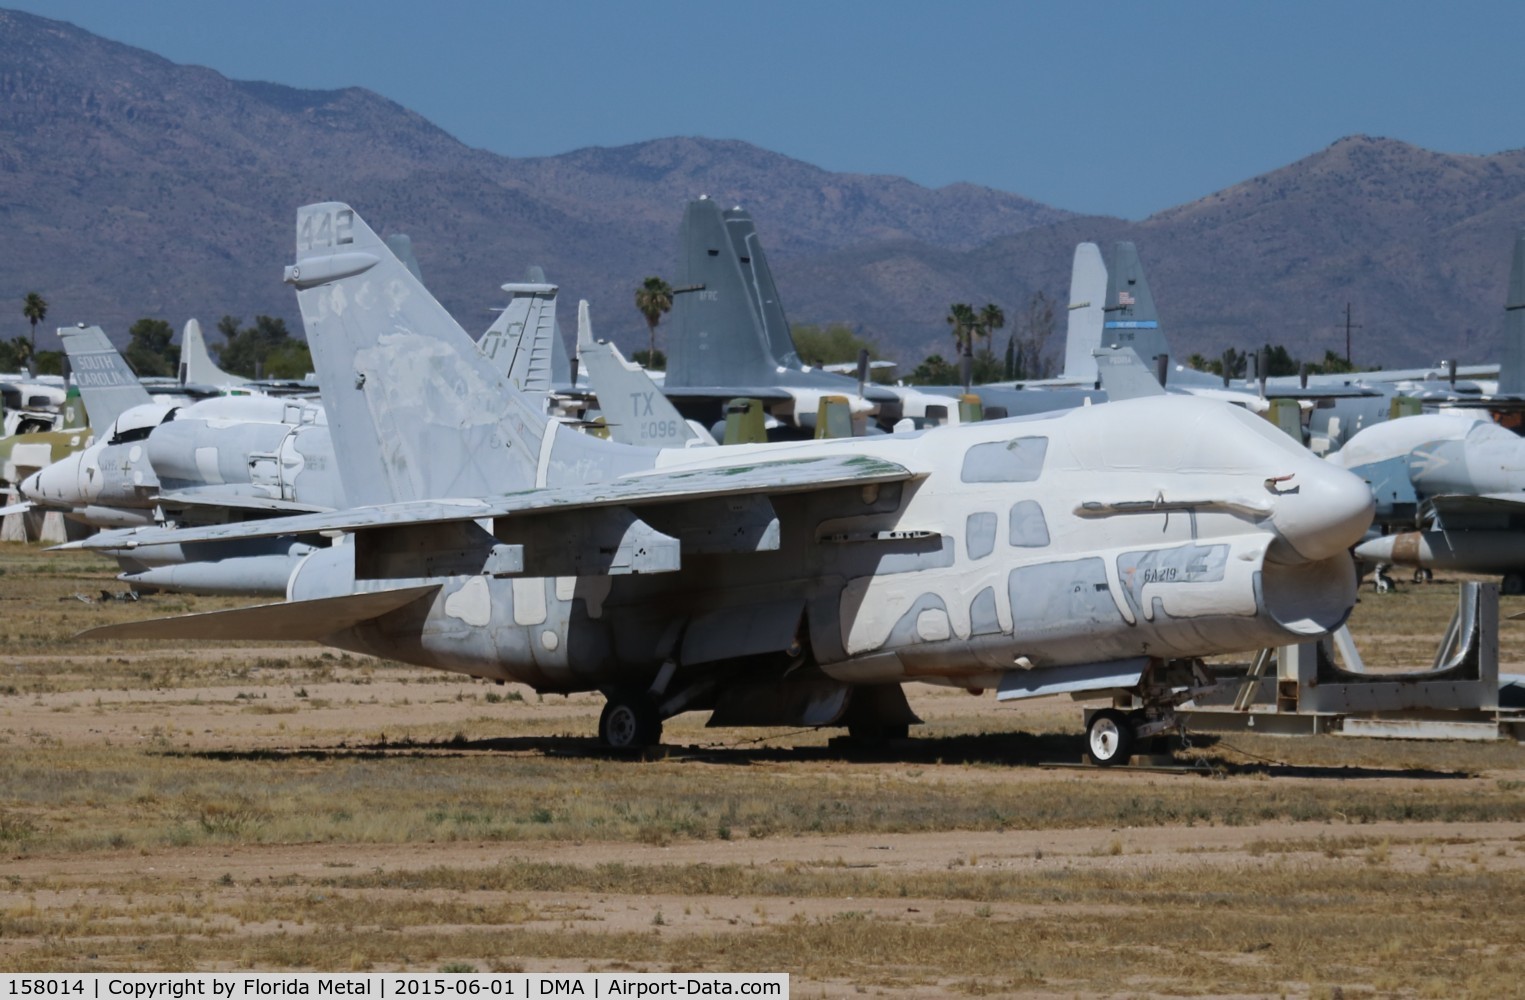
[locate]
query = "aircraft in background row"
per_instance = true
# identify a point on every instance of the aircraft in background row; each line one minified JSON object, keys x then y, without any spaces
{"x":1101,"y":549}
{"x":730,"y":339}
{"x":227,"y":458}
{"x":1450,"y":488}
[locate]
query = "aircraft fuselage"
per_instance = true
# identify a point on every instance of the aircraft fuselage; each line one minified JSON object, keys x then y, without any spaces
{"x":1027,"y":543}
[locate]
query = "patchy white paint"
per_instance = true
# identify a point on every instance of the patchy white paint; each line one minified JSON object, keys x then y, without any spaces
{"x":550,"y":640}
{"x":1115,"y":588}
{"x":872,"y":606}
{"x":206,"y":465}
{"x":529,"y":600}
{"x":543,"y":460}
{"x":566,"y":588}
{"x":472,"y":604}
{"x":32,"y":456}
{"x":932,"y":625}
{"x":1232,"y":595}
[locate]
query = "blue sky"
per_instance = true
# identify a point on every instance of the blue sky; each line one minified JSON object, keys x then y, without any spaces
{"x":1104,"y":107}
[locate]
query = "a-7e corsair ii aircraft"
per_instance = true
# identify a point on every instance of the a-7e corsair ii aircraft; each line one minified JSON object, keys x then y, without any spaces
{"x":801,"y":583}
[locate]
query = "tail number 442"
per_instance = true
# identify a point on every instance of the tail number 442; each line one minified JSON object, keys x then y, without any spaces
{"x":326,"y":229}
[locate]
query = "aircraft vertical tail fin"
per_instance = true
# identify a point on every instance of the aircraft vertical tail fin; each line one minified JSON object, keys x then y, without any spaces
{"x":1124,"y":376}
{"x":729,"y":329}
{"x":196,"y":365}
{"x":521,"y":341}
{"x":1130,"y":317}
{"x":1512,"y":362}
{"x":561,"y":361}
{"x":415,"y":410}
{"x":106,"y":384}
{"x":634,"y":408}
{"x":401,"y":245}
{"x":75,"y":416}
{"x":1088,"y":294}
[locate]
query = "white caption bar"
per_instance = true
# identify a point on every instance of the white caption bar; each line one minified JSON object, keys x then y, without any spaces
{"x":388,"y":986}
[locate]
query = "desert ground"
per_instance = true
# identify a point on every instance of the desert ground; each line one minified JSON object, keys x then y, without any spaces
{"x":280,"y":806}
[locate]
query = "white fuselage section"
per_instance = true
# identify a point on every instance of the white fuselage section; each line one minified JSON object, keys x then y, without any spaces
{"x":1161,"y":527}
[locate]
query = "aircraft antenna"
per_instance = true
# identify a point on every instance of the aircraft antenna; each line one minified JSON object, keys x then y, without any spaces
{"x":1348,"y":327}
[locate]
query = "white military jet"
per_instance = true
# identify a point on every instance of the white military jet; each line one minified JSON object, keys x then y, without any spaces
{"x":1450,"y":486}
{"x":254,"y":453}
{"x":1100,"y":549}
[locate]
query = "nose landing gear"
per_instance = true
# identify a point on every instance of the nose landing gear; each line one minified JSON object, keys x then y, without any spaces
{"x":1139,"y":715}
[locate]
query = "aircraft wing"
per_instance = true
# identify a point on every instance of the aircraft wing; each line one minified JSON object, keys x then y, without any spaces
{"x":16,"y":508}
{"x":292,"y":620}
{"x":663,"y":486}
{"x":766,"y":393}
{"x":220,"y":497}
{"x":1313,"y":391}
{"x":1456,"y":512}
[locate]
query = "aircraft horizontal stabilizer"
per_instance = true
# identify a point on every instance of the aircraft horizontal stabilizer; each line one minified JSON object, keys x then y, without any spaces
{"x":16,"y":508}
{"x":292,"y":620}
{"x":664,"y":486}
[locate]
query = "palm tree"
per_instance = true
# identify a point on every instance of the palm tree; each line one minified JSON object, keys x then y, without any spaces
{"x":653,"y":299}
{"x":35,"y":310}
{"x":966,"y":326}
{"x":992,"y":318}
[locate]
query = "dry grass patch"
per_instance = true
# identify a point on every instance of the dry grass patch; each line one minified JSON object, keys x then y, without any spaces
{"x":146,"y":789}
{"x":1248,"y":928}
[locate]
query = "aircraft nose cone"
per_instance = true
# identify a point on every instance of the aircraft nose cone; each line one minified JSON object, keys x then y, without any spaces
{"x":31,"y":486}
{"x":55,"y":485}
{"x":1322,"y":511}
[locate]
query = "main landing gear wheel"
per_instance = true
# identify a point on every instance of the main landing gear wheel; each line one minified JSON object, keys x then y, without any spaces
{"x":629,"y":722}
{"x":1423,"y":575}
{"x":1109,"y":738}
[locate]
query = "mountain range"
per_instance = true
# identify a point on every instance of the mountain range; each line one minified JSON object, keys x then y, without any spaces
{"x":132,"y":186}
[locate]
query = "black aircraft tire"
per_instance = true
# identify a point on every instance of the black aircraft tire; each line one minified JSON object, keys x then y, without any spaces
{"x":1109,"y":738}
{"x":629,"y":722}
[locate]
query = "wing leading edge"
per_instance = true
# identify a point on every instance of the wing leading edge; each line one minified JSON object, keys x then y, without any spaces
{"x":312,"y":619}
{"x":665,"y":486}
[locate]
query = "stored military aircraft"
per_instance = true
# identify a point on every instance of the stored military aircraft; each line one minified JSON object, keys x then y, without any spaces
{"x":525,"y":341}
{"x":730,"y":337}
{"x":1450,"y":487}
{"x":250,"y":453}
{"x":1102,"y":548}
{"x":230,"y":457}
{"x":25,"y":453}
{"x":632,"y":407}
{"x":196,"y":364}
